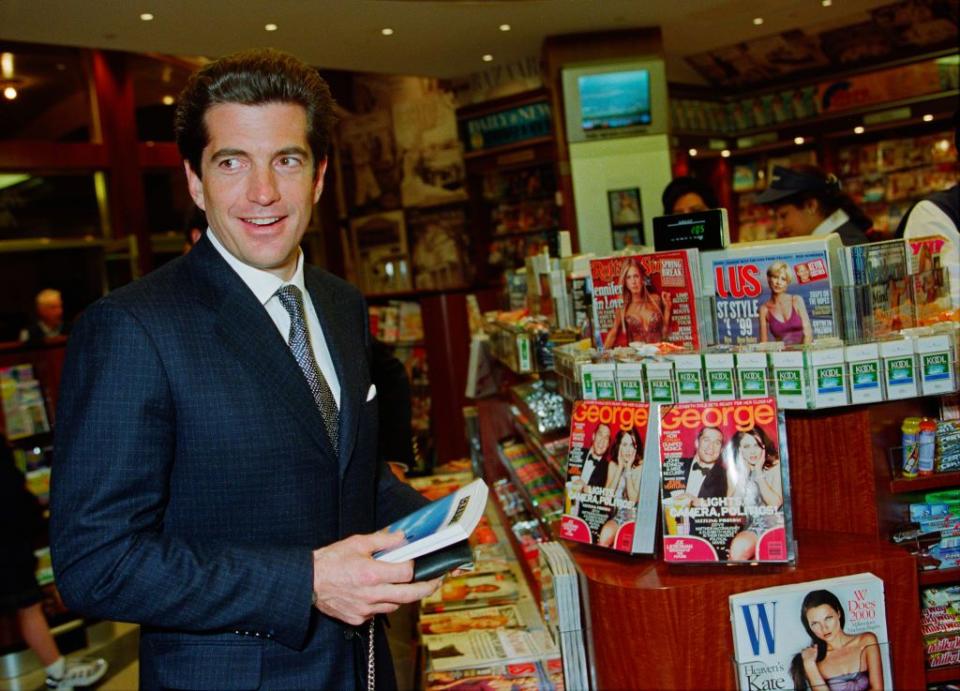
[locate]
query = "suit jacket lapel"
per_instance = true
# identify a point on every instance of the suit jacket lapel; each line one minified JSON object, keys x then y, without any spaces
{"x":252,"y":337}
{"x":336,"y":321}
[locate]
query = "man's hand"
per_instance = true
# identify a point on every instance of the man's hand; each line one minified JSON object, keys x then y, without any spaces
{"x":352,"y":586}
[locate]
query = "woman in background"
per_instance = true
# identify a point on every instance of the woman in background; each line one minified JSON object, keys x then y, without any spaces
{"x":623,"y":479}
{"x":808,"y":201}
{"x":686,"y":195}
{"x":645,"y":315}
{"x":835,"y":660}
{"x":784,"y":316}
{"x":754,"y":479}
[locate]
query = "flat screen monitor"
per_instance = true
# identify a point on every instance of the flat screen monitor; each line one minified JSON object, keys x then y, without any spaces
{"x":614,"y":100}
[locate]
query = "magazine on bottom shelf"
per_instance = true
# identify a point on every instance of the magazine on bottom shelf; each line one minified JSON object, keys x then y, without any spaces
{"x":830,"y":633}
{"x":479,"y":619}
{"x":478,"y":648}
{"x":647,"y":298}
{"x":611,"y":487}
{"x":725,"y":482}
{"x":777,"y":290}
{"x":521,"y":676}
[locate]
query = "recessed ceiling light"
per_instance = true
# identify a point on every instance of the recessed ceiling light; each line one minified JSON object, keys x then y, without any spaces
{"x":147,"y":17}
{"x":386,"y":31}
{"x":798,"y":140}
{"x":270,"y":27}
{"x":757,"y":21}
{"x":168,"y":100}
{"x":487,"y":58}
{"x":928,"y":118}
{"x":9,"y":93}
{"x":858,"y":129}
{"x":725,"y":153}
{"x":505,"y":27}
{"x":826,"y":3}
{"x":6,"y":65}
{"x":692,"y":152}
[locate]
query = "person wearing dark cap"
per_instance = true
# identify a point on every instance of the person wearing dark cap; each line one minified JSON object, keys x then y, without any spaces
{"x":808,"y":201}
{"x":686,"y":195}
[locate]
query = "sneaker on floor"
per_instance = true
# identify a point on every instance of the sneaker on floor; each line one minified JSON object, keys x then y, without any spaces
{"x":79,"y":673}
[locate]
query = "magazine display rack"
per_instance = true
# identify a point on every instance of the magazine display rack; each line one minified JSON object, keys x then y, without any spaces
{"x":845,"y":505}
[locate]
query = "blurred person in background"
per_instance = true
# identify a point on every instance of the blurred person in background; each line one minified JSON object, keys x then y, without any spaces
{"x":686,"y":195}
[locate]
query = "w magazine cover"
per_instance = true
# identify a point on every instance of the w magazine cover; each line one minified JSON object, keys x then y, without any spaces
{"x":826,"y":634}
{"x":724,"y":482}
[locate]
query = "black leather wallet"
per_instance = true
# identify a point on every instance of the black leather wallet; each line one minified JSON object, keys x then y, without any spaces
{"x":443,"y":560}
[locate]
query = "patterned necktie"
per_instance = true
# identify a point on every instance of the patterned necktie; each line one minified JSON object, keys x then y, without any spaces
{"x":292,"y":301}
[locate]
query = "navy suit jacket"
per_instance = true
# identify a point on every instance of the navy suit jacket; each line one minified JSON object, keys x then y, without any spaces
{"x":193,"y":478}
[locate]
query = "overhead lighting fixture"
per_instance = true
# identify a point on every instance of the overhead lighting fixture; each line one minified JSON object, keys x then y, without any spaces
{"x":757,"y":21}
{"x":147,"y":17}
{"x":826,"y":3}
{"x":386,"y":31}
{"x":798,"y":140}
{"x":270,"y":27}
{"x":9,"y":93}
{"x":692,"y":152}
{"x":487,"y":58}
{"x":6,"y":65}
{"x":858,"y":129}
{"x":505,"y":27}
{"x":943,"y":145}
{"x":928,"y":118}
{"x":725,"y":153}
{"x":168,"y":100}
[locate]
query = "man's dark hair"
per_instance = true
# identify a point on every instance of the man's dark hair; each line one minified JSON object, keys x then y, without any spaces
{"x":251,"y":78}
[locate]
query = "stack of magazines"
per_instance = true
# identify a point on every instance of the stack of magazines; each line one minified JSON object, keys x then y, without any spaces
{"x":560,"y":606}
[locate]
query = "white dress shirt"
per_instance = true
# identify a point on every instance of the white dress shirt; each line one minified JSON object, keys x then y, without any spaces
{"x":264,"y":286}
{"x":928,"y":219}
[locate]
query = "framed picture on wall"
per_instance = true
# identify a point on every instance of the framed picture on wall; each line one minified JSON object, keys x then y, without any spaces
{"x":626,"y":217}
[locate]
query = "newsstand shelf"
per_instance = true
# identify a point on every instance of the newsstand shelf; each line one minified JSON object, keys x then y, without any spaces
{"x":939,"y":576}
{"x":921,"y":483}
{"x":941,"y":675}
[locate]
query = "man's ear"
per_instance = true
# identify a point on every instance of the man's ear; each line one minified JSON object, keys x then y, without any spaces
{"x":194,"y":185}
{"x":318,"y":181}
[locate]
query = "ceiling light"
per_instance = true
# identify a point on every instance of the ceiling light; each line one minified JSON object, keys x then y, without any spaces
{"x":757,"y":21}
{"x":505,"y":27}
{"x":270,"y":27}
{"x":168,"y":100}
{"x":943,"y":145}
{"x":9,"y":93}
{"x":928,"y":118}
{"x":725,"y":153}
{"x":487,"y":58}
{"x":693,"y":152}
{"x":147,"y":17}
{"x":6,"y":65}
{"x":798,"y":140}
{"x":387,"y":31}
{"x":858,"y":129}
{"x":826,"y":3}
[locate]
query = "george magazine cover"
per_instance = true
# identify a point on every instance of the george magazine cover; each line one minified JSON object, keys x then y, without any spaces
{"x":611,"y":488}
{"x":774,"y":291}
{"x":830,"y":633}
{"x":650,"y":298}
{"x":725,"y":484}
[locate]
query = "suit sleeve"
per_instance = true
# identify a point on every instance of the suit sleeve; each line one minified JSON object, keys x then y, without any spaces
{"x":115,"y":446}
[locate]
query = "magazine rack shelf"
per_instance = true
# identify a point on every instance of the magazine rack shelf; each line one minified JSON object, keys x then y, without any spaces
{"x":942,"y":675}
{"x":673,"y":618}
{"x":939,"y":577}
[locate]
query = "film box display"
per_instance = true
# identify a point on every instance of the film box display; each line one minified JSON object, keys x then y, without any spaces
{"x":864,"y":371}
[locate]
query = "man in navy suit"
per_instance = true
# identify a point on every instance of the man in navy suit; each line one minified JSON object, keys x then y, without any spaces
{"x":705,"y":475}
{"x":216,"y":476}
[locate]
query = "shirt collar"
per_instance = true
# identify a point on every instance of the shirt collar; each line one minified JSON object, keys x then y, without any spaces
{"x":831,"y":222}
{"x":263,"y":283}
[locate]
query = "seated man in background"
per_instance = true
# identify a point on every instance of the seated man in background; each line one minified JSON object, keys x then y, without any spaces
{"x":49,"y":323}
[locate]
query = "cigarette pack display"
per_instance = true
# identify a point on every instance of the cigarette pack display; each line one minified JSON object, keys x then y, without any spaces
{"x":721,"y":376}
{"x":725,"y":482}
{"x":752,"y":375}
{"x":899,"y":369}
{"x":689,"y":373}
{"x":649,"y":298}
{"x":660,"y":382}
{"x":778,"y":290}
{"x":611,"y":488}
{"x":864,"y":372}
{"x":828,"y":377}
{"x":830,"y":633}
{"x":791,"y":379}
{"x":935,"y":361}
{"x":599,"y":381}
{"x":630,"y":381}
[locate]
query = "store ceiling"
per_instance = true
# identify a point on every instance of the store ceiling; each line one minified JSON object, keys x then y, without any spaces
{"x":441,"y":38}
